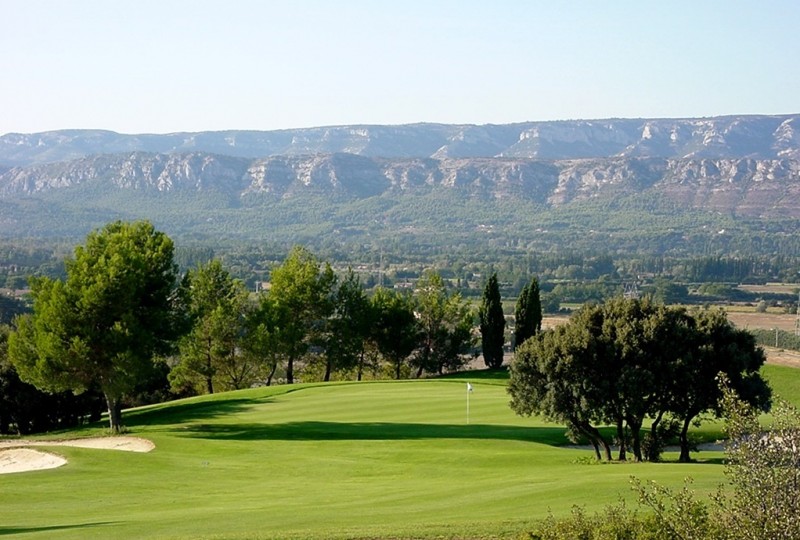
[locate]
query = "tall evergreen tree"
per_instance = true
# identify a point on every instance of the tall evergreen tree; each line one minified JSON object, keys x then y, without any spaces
{"x":493,"y":324}
{"x":528,"y":313}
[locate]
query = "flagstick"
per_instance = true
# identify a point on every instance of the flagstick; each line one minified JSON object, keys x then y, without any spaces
{"x":468,"y":392}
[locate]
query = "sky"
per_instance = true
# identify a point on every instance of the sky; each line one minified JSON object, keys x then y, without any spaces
{"x":163,"y":66}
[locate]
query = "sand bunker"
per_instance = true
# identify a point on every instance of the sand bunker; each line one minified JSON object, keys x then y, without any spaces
{"x":14,"y":460}
{"x":17,"y":456}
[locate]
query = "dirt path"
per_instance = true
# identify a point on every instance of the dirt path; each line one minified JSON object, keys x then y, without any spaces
{"x":782,"y":357}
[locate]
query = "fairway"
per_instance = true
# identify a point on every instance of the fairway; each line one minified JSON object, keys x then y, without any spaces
{"x":342,"y":460}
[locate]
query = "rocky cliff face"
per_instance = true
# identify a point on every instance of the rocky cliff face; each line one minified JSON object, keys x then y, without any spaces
{"x":757,"y":137}
{"x":742,"y":186}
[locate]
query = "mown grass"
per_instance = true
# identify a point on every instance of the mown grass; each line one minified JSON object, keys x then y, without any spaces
{"x":342,"y":460}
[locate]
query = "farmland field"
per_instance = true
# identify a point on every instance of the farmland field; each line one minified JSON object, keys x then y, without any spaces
{"x":752,"y":319}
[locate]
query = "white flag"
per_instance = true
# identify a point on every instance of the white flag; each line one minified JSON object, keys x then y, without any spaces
{"x":469,"y":387}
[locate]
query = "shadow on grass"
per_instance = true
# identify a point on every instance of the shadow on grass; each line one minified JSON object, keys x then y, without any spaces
{"x":5,"y":530}
{"x":345,"y":431}
{"x":375,"y":431}
{"x":179,"y":413}
{"x":488,"y":375}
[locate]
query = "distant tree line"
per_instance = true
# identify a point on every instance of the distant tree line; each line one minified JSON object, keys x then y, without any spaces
{"x":464,"y":265}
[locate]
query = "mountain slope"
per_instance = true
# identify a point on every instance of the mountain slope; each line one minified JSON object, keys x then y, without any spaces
{"x":744,"y":186}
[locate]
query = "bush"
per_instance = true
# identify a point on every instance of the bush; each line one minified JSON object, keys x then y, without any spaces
{"x":616,"y":522}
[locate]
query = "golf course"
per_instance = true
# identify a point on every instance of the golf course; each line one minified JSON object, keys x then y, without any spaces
{"x":400,"y":459}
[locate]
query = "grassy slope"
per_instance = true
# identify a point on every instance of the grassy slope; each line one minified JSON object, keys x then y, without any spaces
{"x":381,"y":459}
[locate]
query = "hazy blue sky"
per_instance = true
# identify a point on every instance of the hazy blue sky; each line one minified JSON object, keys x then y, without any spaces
{"x":167,"y":65}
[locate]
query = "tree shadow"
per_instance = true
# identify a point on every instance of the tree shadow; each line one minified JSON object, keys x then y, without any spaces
{"x":179,"y":413}
{"x":6,"y":530}
{"x":363,"y":431}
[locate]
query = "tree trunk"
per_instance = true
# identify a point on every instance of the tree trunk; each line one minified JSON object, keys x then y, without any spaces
{"x":596,"y":450}
{"x":636,"y":431}
{"x":684,"y":437}
{"x":397,"y":366}
{"x":623,"y":455}
{"x":272,"y":373}
{"x":328,"y":369}
{"x":290,"y":369}
{"x":657,"y":444}
{"x":114,"y":413}
{"x":209,"y":368}
{"x":596,"y":438}
{"x":595,"y":433}
{"x":360,"y":365}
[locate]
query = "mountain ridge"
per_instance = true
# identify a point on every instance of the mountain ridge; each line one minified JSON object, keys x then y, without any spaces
{"x":757,"y":136}
{"x":641,"y":184}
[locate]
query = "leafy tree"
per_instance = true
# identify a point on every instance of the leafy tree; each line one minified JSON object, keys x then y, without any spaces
{"x":717,"y":347}
{"x":644,"y":345}
{"x":264,"y":324}
{"x":302,"y":297}
{"x":626,"y":360}
{"x":395,"y":329}
{"x":105,"y":323}
{"x":668,"y":292}
{"x":528,"y":313}
{"x":213,"y":349}
{"x":549,"y":375}
{"x":445,"y":323}
{"x":493,"y":324}
{"x":348,"y":326}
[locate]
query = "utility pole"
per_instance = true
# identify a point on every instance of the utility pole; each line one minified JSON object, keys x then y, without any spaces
{"x":797,"y":316}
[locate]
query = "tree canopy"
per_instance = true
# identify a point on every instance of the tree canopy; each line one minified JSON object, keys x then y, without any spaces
{"x":301,"y":294}
{"x":105,"y":322}
{"x":213,"y":351}
{"x":445,"y":323}
{"x":626,"y":360}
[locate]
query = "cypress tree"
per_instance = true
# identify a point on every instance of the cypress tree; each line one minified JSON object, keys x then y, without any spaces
{"x":528,"y":313}
{"x":493,"y":324}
